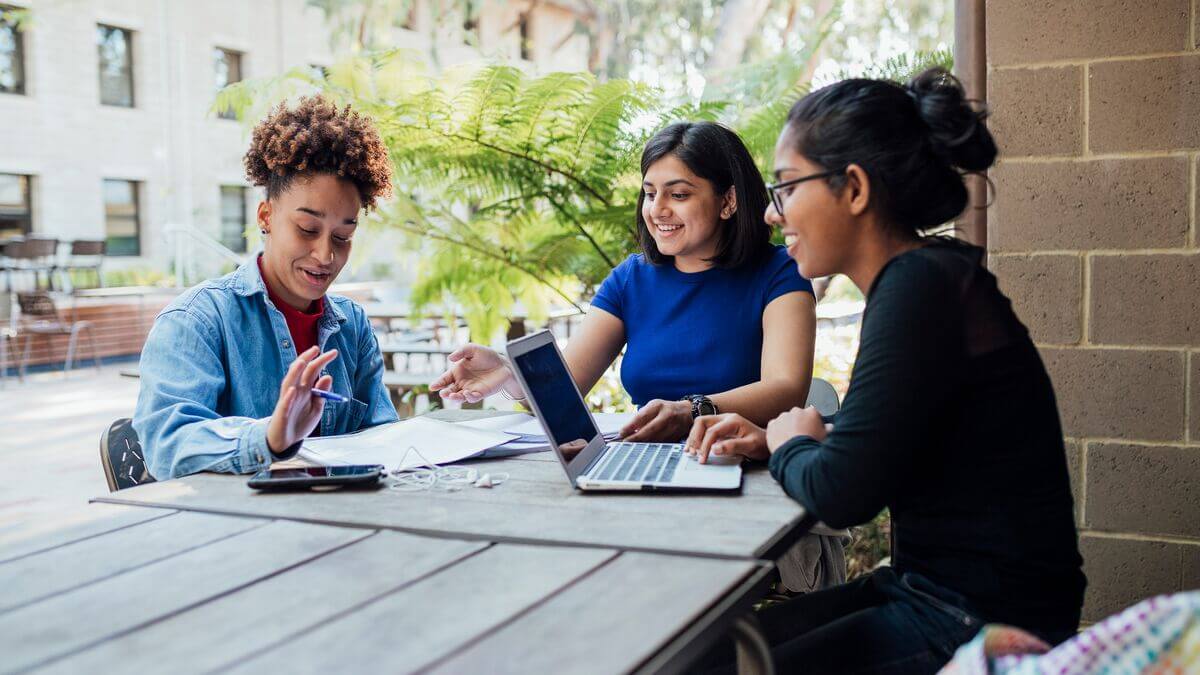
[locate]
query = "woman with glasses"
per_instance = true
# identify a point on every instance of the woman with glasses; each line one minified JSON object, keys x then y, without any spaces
{"x":950,"y":419}
{"x":232,"y":368}
{"x":711,"y":315}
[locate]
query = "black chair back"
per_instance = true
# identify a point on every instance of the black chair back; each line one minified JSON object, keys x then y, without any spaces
{"x":40,"y":247}
{"x":88,"y":247}
{"x":37,"y":304}
{"x":121,"y":457}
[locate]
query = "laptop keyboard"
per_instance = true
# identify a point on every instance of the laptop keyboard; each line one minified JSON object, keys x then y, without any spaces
{"x":640,"y":462}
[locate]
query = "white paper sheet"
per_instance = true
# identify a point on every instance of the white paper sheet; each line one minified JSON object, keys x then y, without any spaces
{"x":388,"y":444}
{"x":498,"y":423}
{"x":609,"y":423}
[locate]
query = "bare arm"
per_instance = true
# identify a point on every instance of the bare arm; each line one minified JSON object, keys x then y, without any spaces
{"x":589,"y":353}
{"x":477,"y":371}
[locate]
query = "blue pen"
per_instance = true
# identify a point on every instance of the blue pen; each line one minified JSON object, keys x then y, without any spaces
{"x":329,"y":395}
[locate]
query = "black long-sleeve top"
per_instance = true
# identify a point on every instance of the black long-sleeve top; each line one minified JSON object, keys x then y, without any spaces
{"x":950,"y":421}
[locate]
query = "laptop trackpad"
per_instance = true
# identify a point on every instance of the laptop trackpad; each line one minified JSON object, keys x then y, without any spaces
{"x":718,"y":460}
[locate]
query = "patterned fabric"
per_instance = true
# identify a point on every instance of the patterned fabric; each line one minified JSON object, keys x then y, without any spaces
{"x":1160,"y":636}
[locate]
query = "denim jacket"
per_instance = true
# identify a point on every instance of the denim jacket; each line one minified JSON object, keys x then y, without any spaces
{"x":211,"y":370}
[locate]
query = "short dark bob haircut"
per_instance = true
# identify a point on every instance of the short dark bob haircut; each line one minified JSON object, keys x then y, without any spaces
{"x":717,"y":155}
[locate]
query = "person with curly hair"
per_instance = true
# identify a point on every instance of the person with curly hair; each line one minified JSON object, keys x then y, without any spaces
{"x":229,"y":368}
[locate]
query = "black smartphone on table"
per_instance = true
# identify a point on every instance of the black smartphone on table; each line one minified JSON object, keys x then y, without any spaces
{"x":304,"y":477}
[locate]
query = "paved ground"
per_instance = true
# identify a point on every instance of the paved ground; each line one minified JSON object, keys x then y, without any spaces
{"x":50,"y":430}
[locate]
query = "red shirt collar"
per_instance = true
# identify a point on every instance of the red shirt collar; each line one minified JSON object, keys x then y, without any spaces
{"x":301,"y":325}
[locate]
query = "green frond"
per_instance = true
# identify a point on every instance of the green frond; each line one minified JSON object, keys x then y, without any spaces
{"x":513,"y":188}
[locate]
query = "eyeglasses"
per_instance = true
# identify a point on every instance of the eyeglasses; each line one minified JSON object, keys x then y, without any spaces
{"x":774,"y":188}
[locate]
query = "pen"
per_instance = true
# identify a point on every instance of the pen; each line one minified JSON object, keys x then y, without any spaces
{"x":329,"y":395}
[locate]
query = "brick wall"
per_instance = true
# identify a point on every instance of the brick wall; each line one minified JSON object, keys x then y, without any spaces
{"x":1092,"y":232}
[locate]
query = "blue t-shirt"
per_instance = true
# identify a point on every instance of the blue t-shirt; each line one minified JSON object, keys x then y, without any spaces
{"x":693,"y":333}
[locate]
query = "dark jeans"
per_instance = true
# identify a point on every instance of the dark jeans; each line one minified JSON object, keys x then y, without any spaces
{"x":884,"y":623}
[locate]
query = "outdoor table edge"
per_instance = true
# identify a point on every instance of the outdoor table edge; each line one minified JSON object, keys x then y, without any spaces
{"x":688,"y":644}
{"x":783,"y":539}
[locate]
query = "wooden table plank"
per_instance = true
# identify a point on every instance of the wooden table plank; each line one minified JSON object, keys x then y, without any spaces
{"x":73,"y":565}
{"x":609,"y":622}
{"x":694,"y":524}
{"x":71,"y":621}
{"x":110,"y":518}
{"x":289,"y":605}
{"x":409,"y":629}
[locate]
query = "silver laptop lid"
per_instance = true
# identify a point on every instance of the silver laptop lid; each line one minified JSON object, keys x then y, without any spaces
{"x":556,"y":400}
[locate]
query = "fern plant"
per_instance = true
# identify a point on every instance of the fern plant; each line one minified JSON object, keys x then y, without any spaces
{"x":512,"y":188}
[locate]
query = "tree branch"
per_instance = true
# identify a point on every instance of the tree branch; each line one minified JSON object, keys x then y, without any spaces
{"x":579,"y":226}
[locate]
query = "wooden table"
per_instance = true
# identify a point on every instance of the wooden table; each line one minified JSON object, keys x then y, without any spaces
{"x":203,"y":573}
{"x":435,"y":355}
{"x":386,"y":312}
{"x":537,"y":506}
{"x":154,"y":590}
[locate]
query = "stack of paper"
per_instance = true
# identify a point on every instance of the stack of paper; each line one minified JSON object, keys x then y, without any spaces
{"x":389,"y":444}
{"x":528,"y":435}
{"x":441,"y":442}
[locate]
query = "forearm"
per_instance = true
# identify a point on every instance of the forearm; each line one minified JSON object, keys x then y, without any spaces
{"x":762,"y":401}
{"x":176,"y":443}
{"x":830,"y":489}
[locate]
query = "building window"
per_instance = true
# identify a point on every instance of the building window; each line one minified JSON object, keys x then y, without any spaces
{"x":227,"y":66}
{"x":116,"y":66}
{"x":12,"y":54}
{"x":122,"y":228}
{"x":233,"y":218}
{"x":523,"y":31}
{"x":16,"y":211}
{"x":471,"y":19}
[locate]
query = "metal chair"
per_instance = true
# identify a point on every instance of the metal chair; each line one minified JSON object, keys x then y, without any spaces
{"x":823,"y":397}
{"x":86,"y":254}
{"x":40,"y":317}
{"x":121,"y":456}
{"x":11,"y":256}
{"x":796,"y":571}
{"x":41,"y":256}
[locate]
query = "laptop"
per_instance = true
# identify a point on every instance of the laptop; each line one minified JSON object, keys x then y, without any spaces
{"x":592,"y":463}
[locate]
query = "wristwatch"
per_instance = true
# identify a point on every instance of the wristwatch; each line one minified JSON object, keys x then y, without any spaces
{"x":701,"y":405}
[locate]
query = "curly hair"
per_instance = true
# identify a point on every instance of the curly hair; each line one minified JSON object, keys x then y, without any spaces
{"x":315,"y":137}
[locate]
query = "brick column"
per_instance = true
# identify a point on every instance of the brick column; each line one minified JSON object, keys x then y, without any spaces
{"x":1092,"y":232}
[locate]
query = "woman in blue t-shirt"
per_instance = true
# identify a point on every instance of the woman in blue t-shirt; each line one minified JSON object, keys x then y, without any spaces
{"x":712,"y":316}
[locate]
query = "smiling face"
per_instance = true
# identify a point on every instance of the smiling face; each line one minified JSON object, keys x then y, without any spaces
{"x":309,"y":230}
{"x":683,"y":213}
{"x":818,"y":222}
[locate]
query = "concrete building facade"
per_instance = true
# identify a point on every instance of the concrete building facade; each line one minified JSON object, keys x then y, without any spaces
{"x":91,"y":151}
{"x":1093,"y":234}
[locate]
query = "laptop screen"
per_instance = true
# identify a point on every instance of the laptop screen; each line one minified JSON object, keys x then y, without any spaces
{"x":558,"y":399}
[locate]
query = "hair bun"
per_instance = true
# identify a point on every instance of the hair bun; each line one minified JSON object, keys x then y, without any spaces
{"x":956,"y":129}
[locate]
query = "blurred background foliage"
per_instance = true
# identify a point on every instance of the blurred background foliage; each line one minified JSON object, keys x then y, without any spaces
{"x":513,"y":188}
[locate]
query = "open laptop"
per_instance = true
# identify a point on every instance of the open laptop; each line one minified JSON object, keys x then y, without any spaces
{"x":590,"y":462}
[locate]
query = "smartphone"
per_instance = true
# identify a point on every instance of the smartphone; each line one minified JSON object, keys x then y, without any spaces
{"x":300,"y":478}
